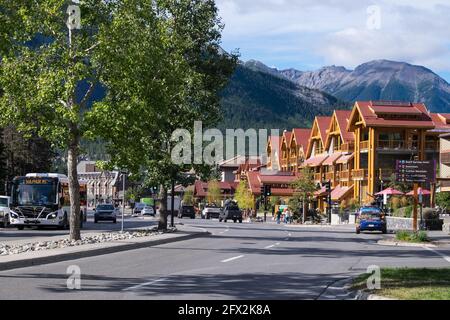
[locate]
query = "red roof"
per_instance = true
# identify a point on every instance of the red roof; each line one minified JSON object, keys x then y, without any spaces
{"x":315,"y":161}
{"x":301,"y":136}
{"x":332,"y":159}
{"x":253,"y":181}
{"x":345,"y":159}
{"x":277,"y":179}
{"x":378,"y":113}
{"x":441,"y":121}
{"x":323,"y":124}
{"x":340,"y":192}
{"x":201,"y":188}
{"x":343,"y":117}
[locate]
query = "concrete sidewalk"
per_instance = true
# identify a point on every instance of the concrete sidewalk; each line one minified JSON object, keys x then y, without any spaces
{"x":33,"y":258}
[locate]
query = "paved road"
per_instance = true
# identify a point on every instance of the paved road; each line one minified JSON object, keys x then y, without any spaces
{"x":238,"y":261}
{"x":10,"y":233}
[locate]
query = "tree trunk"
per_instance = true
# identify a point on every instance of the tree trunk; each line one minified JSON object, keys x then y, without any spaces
{"x":74,"y":191}
{"x":172,"y":205}
{"x":304,"y":211}
{"x":162,"y":225}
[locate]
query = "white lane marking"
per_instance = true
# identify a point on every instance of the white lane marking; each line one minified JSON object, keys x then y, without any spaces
{"x":144,"y":284}
{"x":272,"y":245}
{"x":289,"y":234}
{"x":446,"y":258}
{"x":231,"y":259}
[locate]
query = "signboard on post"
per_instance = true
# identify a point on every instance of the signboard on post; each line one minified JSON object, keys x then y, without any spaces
{"x":416,"y":171}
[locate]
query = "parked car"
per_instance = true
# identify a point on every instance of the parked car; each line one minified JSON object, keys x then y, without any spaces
{"x":105,"y":212}
{"x":4,"y":211}
{"x":138,"y":207}
{"x":148,"y":211}
{"x":371,"y":219}
{"x":187,"y":211}
{"x":231,"y":211}
{"x":211,"y":211}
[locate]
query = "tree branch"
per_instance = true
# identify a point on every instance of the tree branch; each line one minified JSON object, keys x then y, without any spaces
{"x":88,"y":95}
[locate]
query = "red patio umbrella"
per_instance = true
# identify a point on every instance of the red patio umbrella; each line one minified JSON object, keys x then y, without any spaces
{"x":425,"y":192}
{"x":390,"y":192}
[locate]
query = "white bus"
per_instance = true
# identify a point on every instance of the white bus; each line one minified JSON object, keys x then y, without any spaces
{"x":42,"y":199}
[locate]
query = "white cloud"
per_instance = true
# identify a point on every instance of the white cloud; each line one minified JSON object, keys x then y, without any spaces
{"x":335,"y":31}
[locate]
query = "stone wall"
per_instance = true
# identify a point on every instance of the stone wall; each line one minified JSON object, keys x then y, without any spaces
{"x":394,"y":224}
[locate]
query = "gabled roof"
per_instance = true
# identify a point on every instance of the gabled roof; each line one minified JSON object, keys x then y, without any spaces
{"x":341,"y":119}
{"x":201,"y":187}
{"x":275,"y":141}
{"x":390,"y":114}
{"x":301,"y":136}
{"x":320,"y":125}
{"x":441,"y":122}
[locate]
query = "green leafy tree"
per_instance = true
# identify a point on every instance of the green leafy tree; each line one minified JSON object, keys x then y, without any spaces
{"x":158,"y":61}
{"x":244,"y":196}
{"x":178,"y":71}
{"x":304,"y":188}
{"x":214,"y":194}
{"x":393,"y":183}
{"x":188,"y":197}
{"x":443,"y":199}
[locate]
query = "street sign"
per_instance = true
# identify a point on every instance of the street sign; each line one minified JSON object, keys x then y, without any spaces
{"x":416,"y":171}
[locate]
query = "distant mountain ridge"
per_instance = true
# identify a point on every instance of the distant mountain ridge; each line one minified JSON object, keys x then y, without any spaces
{"x":378,"y":80}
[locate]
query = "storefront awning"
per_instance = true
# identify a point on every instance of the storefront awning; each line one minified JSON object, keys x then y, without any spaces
{"x":345,"y":159}
{"x":332,"y":159}
{"x":315,"y":161}
{"x":340,"y":193}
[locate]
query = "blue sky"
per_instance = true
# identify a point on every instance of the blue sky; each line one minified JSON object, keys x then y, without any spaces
{"x":309,"y":34}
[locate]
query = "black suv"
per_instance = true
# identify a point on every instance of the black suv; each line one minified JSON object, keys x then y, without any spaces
{"x":231,"y":211}
{"x":187,"y":211}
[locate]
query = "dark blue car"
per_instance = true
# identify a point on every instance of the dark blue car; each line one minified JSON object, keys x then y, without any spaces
{"x":371,"y":219}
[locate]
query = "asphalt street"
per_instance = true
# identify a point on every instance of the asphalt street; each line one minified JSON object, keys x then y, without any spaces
{"x":8,"y":234}
{"x":238,"y":261}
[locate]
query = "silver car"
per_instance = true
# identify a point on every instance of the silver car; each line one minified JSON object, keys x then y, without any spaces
{"x":148,"y":211}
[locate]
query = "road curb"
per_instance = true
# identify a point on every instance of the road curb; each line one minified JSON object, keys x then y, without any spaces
{"x":100,"y":250}
{"x":405,"y":244}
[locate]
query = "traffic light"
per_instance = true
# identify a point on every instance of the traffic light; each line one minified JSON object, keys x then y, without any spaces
{"x":263,"y":191}
{"x":328,"y":186}
{"x":268,"y":191}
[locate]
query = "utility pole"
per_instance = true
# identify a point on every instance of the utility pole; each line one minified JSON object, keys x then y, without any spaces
{"x":416,"y":187}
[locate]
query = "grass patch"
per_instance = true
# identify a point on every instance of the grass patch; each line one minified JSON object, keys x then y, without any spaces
{"x":409,"y":236}
{"x":410,"y":284}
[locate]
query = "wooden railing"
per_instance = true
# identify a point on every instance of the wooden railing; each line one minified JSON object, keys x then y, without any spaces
{"x":345,"y":175}
{"x":364,"y":145}
{"x":348,"y":147}
{"x":360,"y":174}
{"x":329,"y":176}
{"x":317,"y":177}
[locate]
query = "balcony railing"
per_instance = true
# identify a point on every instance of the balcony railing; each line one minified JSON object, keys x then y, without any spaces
{"x":364,"y":145}
{"x":360,"y":174}
{"x":284,"y":162}
{"x":317,"y":177}
{"x":348,"y":147}
{"x":329,"y":176}
{"x":345,"y":175}
{"x":391,"y":144}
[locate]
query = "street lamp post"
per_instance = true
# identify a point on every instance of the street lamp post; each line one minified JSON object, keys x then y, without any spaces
{"x":123,"y":199}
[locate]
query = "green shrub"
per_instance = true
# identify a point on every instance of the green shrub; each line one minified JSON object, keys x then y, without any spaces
{"x":409,"y":236}
{"x":402,"y":235}
{"x":420,"y":236}
{"x":408,"y":212}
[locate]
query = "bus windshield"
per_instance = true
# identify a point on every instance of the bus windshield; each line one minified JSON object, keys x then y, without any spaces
{"x":34,"y":192}
{"x":3,"y":202}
